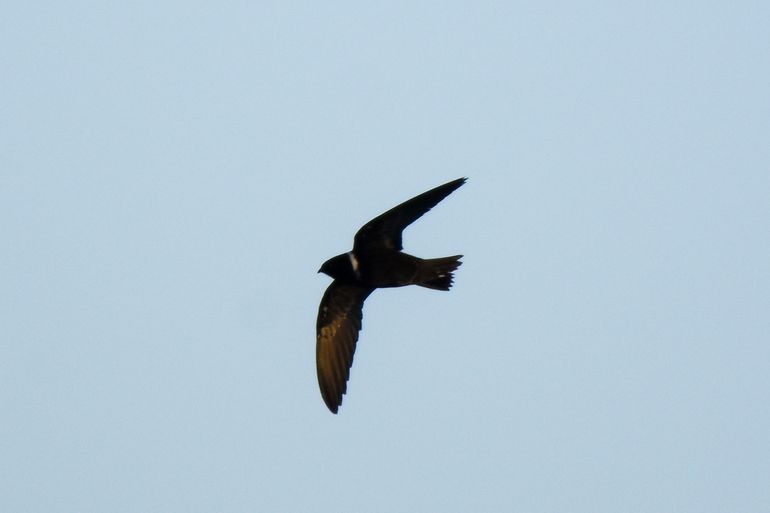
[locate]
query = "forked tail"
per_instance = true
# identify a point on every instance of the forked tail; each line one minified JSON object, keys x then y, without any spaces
{"x":436,"y":273}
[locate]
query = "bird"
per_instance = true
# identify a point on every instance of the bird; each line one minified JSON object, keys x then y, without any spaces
{"x":376,"y":261}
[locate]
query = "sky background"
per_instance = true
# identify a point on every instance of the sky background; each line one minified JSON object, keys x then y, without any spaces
{"x":173,"y":174}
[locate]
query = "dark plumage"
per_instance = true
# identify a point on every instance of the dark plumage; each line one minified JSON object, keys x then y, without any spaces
{"x":376,"y":261}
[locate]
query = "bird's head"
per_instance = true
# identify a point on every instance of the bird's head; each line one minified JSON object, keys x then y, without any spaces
{"x":339,"y":268}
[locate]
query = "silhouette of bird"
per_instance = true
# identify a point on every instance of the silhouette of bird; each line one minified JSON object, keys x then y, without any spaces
{"x":376,"y":261}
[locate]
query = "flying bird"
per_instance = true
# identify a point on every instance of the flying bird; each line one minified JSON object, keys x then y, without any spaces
{"x":376,"y":261}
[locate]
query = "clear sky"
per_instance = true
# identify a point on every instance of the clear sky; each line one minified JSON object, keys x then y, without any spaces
{"x":172,"y":175}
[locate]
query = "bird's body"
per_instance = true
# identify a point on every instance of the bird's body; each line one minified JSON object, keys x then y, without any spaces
{"x":387,"y":268}
{"x":376,"y":261}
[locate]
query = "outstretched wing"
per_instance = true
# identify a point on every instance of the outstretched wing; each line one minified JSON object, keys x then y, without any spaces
{"x":339,"y":321}
{"x":384,"y":231}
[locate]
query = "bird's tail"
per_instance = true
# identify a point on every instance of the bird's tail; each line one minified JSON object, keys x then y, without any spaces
{"x":436,"y":273}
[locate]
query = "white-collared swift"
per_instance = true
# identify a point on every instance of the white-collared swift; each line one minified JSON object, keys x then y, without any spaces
{"x":376,"y":261}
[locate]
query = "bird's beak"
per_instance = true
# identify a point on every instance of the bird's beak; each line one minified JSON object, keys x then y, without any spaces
{"x":319,"y":270}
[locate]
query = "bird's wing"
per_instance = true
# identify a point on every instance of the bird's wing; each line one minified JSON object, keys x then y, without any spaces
{"x":384,"y":231}
{"x":339,"y":321}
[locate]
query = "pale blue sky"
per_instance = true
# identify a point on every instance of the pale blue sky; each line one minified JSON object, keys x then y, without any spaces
{"x":173,"y":174}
